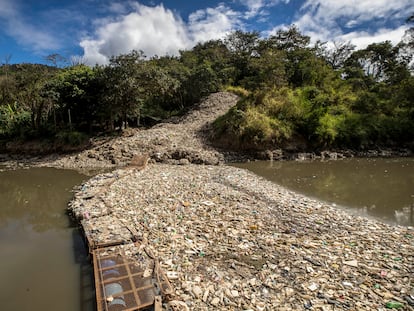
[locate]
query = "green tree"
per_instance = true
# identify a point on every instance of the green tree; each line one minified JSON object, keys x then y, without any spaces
{"x":30,"y":79}
{"x":132,"y":82}
{"x":337,"y":55}
{"x":73,"y":87}
{"x":243,"y":46}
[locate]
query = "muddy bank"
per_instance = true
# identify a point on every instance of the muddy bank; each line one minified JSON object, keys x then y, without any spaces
{"x":229,"y":240}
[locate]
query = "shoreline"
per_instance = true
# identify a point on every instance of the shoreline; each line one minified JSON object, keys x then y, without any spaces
{"x":76,"y":161}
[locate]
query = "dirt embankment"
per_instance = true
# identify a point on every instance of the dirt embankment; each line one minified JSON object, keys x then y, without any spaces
{"x":179,"y":141}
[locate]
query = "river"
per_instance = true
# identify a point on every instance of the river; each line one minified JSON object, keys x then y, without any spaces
{"x":44,"y":263}
{"x":380,"y":188}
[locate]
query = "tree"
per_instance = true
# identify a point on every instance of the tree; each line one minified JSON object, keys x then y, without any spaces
{"x":378,"y":62}
{"x":243,"y":46}
{"x":289,"y":40}
{"x":338,"y":54}
{"x":406,"y":45}
{"x":6,"y":81}
{"x":266,"y":71}
{"x":78,"y":106}
{"x":298,"y":55}
{"x":30,"y":79}
{"x":132,"y":82}
{"x":56,"y":60}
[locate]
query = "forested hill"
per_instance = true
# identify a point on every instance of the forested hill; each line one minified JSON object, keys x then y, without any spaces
{"x":291,"y":91}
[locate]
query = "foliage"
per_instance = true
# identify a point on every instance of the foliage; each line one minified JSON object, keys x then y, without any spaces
{"x":238,"y":90}
{"x":290,"y":90}
{"x":71,"y":138}
{"x":14,"y":121}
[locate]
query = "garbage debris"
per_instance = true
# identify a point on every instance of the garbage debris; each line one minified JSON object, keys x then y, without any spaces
{"x":230,"y":240}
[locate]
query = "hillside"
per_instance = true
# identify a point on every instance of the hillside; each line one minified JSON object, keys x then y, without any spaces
{"x":179,"y":141}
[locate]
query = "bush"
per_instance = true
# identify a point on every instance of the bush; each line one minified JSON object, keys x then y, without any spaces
{"x":258,"y":121}
{"x":71,"y":138}
{"x":14,"y":122}
{"x":238,"y":90}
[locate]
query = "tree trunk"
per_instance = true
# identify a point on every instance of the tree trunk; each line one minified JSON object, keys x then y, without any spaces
{"x":70,"y":120}
{"x":54,"y":118}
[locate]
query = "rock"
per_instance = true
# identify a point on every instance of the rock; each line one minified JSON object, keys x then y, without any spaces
{"x":183,"y":162}
{"x":205,"y":295}
{"x":313,"y":287}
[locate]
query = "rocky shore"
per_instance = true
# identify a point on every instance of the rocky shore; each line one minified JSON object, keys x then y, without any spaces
{"x":226,"y":238}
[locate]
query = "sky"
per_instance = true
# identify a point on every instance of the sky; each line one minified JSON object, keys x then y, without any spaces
{"x":93,"y":30}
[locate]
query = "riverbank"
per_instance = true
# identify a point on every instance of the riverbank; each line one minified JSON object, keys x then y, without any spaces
{"x":230,"y":240}
{"x":181,"y":141}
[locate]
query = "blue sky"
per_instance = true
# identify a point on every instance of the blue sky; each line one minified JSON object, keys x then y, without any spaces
{"x":95,"y":30}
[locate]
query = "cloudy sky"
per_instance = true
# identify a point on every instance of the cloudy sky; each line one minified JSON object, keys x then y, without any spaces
{"x":98,"y":29}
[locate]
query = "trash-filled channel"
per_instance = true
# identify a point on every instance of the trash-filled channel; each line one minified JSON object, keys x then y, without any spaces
{"x":229,"y":240}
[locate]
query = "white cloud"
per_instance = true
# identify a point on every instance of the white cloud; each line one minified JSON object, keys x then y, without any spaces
{"x":118,"y":8}
{"x":333,"y":20}
{"x":211,"y":23}
{"x":258,"y":7}
{"x":25,"y":33}
{"x":7,"y":8}
{"x":35,"y":39}
{"x":156,"y":31}
{"x":254,"y":7}
{"x":357,"y":11}
{"x":362,"y":39}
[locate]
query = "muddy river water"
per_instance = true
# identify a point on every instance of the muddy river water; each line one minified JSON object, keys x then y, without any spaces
{"x":43,"y":259}
{"x":379,"y":188}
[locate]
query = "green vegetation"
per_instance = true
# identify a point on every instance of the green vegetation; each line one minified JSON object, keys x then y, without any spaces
{"x":291,"y":91}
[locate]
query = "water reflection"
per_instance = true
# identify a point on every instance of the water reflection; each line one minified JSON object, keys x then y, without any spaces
{"x":31,"y":197}
{"x":381,"y":188}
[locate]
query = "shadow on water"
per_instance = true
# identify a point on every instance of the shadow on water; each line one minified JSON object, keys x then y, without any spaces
{"x":86,"y":279}
{"x":45,"y":264}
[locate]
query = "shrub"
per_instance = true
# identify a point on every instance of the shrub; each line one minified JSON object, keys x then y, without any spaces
{"x":71,"y":138}
{"x":238,"y":90}
{"x":14,"y":122}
